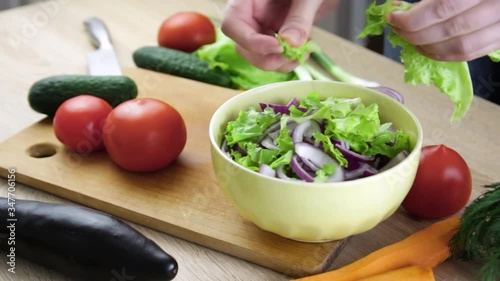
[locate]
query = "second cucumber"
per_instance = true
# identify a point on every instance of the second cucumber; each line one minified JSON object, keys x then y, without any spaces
{"x":180,"y":64}
{"x":47,"y":94}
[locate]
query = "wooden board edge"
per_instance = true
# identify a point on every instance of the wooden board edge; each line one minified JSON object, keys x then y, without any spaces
{"x":296,"y":270}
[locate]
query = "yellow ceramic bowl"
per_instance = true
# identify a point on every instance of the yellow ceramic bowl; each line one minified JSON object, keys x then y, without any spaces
{"x":314,"y":212}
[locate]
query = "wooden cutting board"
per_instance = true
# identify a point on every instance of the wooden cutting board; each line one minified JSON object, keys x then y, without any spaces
{"x":182,"y":200}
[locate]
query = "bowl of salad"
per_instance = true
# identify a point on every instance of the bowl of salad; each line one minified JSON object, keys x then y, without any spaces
{"x":315,"y":161}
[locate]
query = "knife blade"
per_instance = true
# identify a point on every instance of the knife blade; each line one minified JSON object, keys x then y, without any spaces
{"x":102,"y":61}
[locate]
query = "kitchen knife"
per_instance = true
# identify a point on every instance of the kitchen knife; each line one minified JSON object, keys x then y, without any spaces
{"x":102,"y":61}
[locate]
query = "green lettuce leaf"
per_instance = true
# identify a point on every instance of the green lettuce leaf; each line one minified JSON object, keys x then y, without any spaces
{"x":284,"y":159}
{"x":342,"y":118}
{"x":222,"y":53}
{"x":495,"y":56}
{"x":330,"y":149}
{"x":323,"y":173}
{"x":298,"y":53}
{"x":255,"y":156}
{"x":451,"y":78}
{"x":250,"y":124}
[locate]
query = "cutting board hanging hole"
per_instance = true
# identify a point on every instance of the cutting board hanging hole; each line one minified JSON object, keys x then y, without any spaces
{"x":42,"y":150}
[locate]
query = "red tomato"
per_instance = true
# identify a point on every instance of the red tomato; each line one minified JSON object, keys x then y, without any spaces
{"x":186,"y":31}
{"x":442,"y":186}
{"x":78,"y":123}
{"x":144,"y":134}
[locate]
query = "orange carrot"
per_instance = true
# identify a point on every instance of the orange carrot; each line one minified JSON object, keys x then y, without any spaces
{"x":428,"y":247}
{"x":409,"y":273}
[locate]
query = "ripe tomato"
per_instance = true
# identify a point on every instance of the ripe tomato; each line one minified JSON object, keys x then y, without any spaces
{"x":186,"y":31}
{"x":78,"y":123}
{"x":442,"y":186}
{"x":144,"y":134}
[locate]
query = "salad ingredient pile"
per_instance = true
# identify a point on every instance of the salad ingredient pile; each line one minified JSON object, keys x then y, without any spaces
{"x":315,"y":140}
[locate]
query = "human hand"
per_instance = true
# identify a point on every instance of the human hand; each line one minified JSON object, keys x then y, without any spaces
{"x":253,"y":23}
{"x":450,"y":30}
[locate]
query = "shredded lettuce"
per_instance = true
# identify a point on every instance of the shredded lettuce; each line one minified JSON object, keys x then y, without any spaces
{"x":298,"y":53}
{"x":495,"y":56}
{"x":250,"y":125}
{"x":323,"y":173}
{"x":451,"y":78}
{"x":222,"y":53}
{"x":344,"y":119}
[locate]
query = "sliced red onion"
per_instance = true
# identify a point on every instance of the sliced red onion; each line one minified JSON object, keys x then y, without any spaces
{"x":238,"y":148}
{"x":342,"y":143}
{"x":293,"y":101}
{"x":278,"y":108}
{"x":274,"y":135}
{"x":299,"y":170}
{"x":283,"y":109}
{"x":280,"y":173}
{"x":224,"y":147}
{"x":318,"y":158}
{"x":394,"y":161}
{"x":390,"y":92}
{"x":268,"y":143}
{"x":364,"y":170}
{"x":267,"y":170}
{"x":272,"y":128}
{"x":339,"y":175}
{"x":354,"y":165}
{"x":291,"y":125}
{"x":354,"y":155}
{"x":305,"y":129}
{"x":308,"y":165}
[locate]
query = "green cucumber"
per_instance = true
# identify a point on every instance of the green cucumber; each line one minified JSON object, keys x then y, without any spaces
{"x":180,"y":64}
{"x":47,"y":94}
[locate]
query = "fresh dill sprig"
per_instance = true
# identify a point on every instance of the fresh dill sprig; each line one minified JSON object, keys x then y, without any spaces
{"x":478,"y":238}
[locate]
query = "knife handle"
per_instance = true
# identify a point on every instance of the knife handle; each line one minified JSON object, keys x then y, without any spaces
{"x":99,"y":34}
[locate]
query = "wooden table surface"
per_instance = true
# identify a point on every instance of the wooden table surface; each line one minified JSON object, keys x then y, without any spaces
{"x":48,"y":38}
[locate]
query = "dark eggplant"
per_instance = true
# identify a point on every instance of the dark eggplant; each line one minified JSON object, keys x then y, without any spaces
{"x":82,"y":243}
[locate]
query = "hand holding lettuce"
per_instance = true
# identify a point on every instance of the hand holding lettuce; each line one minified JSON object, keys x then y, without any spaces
{"x":451,"y":78}
{"x":243,"y":74}
{"x":222,"y":54}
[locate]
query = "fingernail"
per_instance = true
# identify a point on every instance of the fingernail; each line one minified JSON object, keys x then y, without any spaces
{"x":390,"y":16}
{"x":292,"y":36}
{"x":277,"y":50}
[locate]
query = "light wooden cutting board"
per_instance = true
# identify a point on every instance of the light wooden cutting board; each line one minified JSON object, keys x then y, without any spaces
{"x":182,"y":200}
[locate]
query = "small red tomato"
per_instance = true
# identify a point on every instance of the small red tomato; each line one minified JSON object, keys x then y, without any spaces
{"x":442,"y":186}
{"x":186,"y":31}
{"x":78,"y":123}
{"x":144,"y":134}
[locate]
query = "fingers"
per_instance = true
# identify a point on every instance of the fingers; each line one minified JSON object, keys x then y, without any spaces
{"x":450,"y":30}
{"x":259,"y":46}
{"x":269,"y":62}
{"x":428,"y":13}
{"x":467,"y":47}
{"x":239,"y":25}
{"x":474,"y":19}
{"x":299,"y":21}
